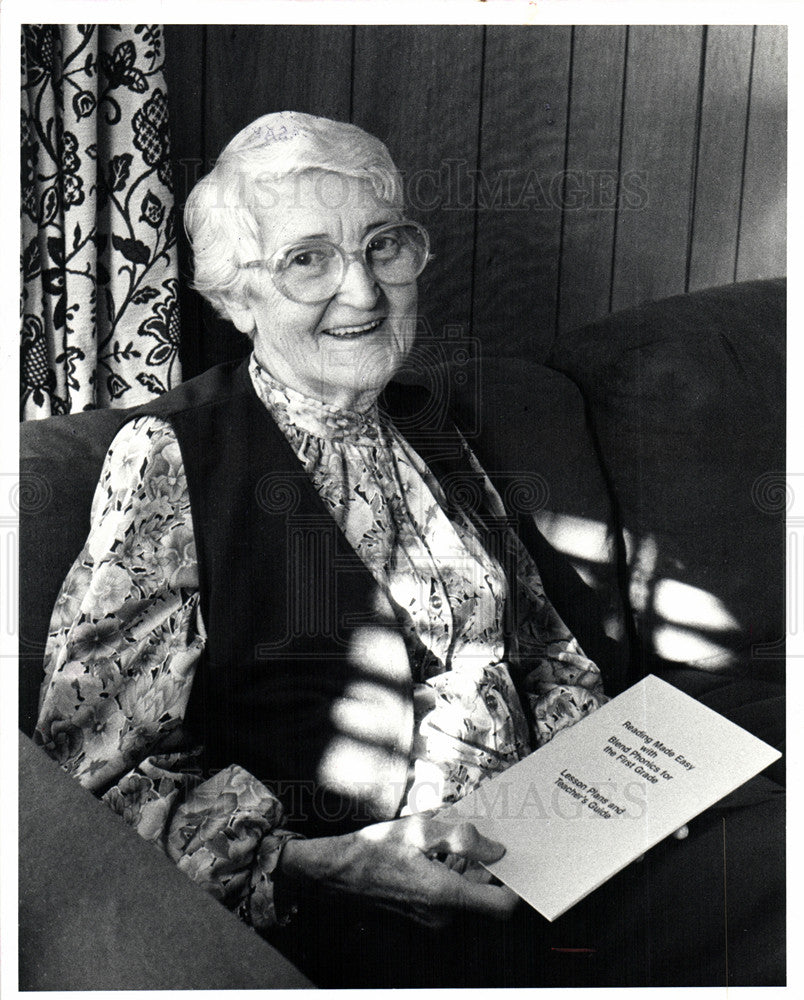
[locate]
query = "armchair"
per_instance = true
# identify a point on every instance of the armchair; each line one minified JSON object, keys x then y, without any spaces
{"x":653,"y":443}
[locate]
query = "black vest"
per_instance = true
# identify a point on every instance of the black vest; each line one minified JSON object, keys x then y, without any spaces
{"x":295,"y":621}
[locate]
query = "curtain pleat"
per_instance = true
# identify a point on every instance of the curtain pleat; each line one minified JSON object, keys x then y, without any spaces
{"x":99,"y":309}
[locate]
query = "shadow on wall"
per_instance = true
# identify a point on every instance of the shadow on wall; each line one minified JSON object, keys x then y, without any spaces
{"x":678,"y":623}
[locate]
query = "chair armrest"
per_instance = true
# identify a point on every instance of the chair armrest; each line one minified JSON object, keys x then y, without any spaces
{"x":102,"y":910}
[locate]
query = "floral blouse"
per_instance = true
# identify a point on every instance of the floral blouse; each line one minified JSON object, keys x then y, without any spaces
{"x":127,"y":633}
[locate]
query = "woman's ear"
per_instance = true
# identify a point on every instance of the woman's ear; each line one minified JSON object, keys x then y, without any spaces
{"x":242,"y":317}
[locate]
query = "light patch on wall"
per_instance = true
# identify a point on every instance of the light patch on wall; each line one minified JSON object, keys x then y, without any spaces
{"x":578,"y":537}
{"x":684,"y":604}
{"x":684,"y":645}
{"x":583,"y":540}
{"x":642,"y":557}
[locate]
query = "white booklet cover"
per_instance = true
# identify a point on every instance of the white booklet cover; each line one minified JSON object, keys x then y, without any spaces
{"x":601,"y":793}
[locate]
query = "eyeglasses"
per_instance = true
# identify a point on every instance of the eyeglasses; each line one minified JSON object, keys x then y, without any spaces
{"x":313,"y":271}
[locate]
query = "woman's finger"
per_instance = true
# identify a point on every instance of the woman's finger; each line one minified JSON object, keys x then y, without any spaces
{"x":494,"y":900}
{"x":682,"y":832}
{"x":465,"y":840}
{"x":457,"y":863}
{"x":475,"y":872}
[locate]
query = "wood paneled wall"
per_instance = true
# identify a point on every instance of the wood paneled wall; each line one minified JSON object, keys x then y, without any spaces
{"x":563,"y":172}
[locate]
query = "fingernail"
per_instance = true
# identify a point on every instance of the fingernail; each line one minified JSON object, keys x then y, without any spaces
{"x":497,"y":848}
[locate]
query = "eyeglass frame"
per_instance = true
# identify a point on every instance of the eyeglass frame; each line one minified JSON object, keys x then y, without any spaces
{"x":346,"y":256}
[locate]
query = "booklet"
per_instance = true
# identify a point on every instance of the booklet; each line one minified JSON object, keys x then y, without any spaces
{"x":604,"y":791}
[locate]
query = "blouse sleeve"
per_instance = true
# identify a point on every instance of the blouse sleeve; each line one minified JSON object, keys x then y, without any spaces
{"x":125,"y":638}
{"x":561,"y":683}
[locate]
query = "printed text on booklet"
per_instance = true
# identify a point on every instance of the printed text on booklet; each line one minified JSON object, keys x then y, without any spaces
{"x":601,"y":793}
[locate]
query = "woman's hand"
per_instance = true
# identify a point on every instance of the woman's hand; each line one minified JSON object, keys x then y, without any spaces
{"x":394,"y":865}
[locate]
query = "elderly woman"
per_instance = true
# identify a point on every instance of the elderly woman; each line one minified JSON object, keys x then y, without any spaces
{"x":284,"y":646}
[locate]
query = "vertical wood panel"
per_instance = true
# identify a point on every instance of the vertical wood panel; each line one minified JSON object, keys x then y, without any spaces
{"x":519,"y":200}
{"x":418,"y":89}
{"x":256,"y":69}
{"x":762,"y":247}
{"x":724,"y":107}
{"x":253,"y":70}
{"x":659,"y":140}
{"x":507,"y":263}
{"x":593,"y":150}
{"x":184,"y":59}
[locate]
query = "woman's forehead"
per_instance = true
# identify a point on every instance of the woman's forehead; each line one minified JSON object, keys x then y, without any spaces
{"x":328,"y":205}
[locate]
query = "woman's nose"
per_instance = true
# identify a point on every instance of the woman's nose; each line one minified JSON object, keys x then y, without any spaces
{"x":359,"y":287}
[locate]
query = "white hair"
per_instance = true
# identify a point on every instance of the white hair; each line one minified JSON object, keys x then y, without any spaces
{"x":220,"y":216}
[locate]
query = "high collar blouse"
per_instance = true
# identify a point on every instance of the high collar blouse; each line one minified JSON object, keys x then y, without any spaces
{"x":448,"y":592}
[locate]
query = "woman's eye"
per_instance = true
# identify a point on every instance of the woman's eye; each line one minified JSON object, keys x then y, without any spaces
{"x":303,"y":259}
{"x":308,"y":259}
{"x":384,"y":247}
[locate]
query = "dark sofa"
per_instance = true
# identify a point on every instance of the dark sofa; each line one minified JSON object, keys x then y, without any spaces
{"x":650,"y":453}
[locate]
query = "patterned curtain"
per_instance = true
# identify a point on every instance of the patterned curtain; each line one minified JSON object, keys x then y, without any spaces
{"x":100,"y":319}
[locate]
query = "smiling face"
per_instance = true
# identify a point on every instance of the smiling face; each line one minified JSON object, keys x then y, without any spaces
{"x":344,"y":350}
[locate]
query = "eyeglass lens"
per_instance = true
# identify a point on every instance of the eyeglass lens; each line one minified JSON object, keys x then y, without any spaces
{"x":395,"y":255}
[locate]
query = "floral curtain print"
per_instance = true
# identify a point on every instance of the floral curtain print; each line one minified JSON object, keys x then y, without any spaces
{"x":100,"y":317}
